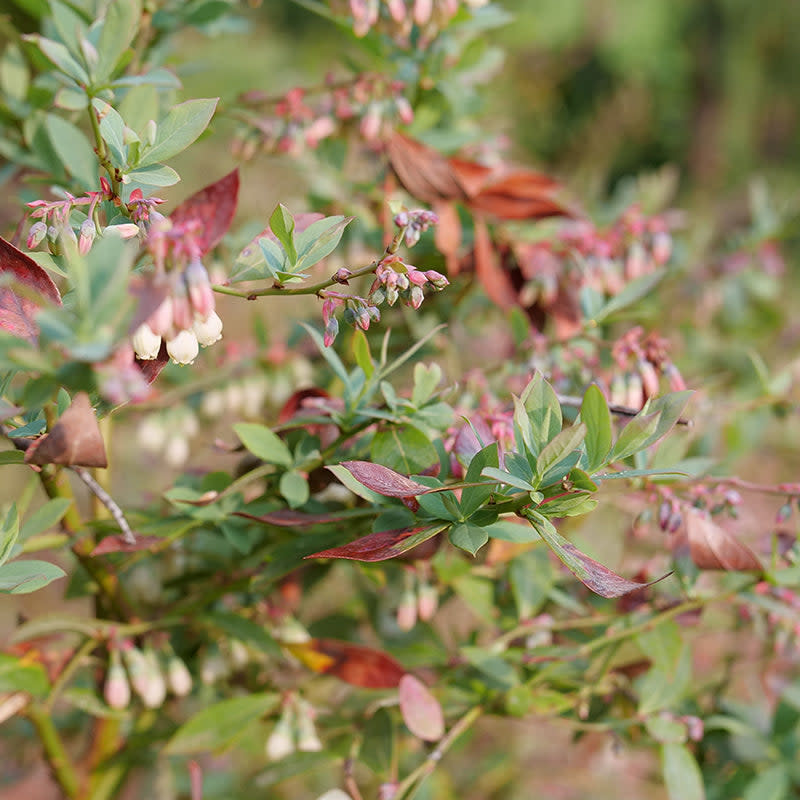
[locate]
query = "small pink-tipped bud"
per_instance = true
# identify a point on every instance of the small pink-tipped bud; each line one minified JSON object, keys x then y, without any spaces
{"x":126,"y":231}
{"x":182,"y":313}
{"x":183,"y":348}
{"x":636,"y":261}
{"x":391,"y":294}
{"x":307,"y":739}
{"x":676,"y":382}
{"x":117,"y":690}
{"x":153,"y":687}
{"x":661,"y":247}
{"x":281,"y":741}
{"x":178,"y":676}
{"x":647,"y":372}
{"x":321,"y":128}
{"x":438,"y":281}
{"x":416,"y":296}
{"x":36,"y":234}
{"x":417,"y":278}
{"x":422,"y":11}
{"x":146,"y":343}
{"x":370,"y":126}
{"x":161,"y":320}
{"x":331,"y":331}
{"x":404,"y":110}
{"x":634,"y":391}
{"x":427,"y":601}
{"x":342,"y":275}
{"x":407,"y":611}
{"x":695,"y":727}
{"x":86,"y":237}
{"x":53,"y":245}
{"x":397,"y":9}
{"x":208,"y":330}
{"x":201,"y":295}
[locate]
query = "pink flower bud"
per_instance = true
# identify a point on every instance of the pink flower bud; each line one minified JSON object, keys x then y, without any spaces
{"x":117,"y":690}
{"x":201,"y":295}
{"x":126,"y":231}
{"x":404,"y":110}
{"x":86,"y":238}
{"x":647,"y":372}
{"x":371,"y":123}
{"x":416,"y":296}
{"x":208,"y":330}
{"x":438,"y":281}
{"x":146,"y":343}
{"x":407,"y":611}
{"x":178,"y":677}
{"x":417,"y":278}
{"x":676,"y":382}
{"x":183,"y":348}
{"x":321,"y":128}
{"x":427,"y":601}
{"x":161,"y":320}
{"x":661,"y":247}
{"x":342,"y":275}
{"x":36,"y":234}
{"x":397,"y":9}
{"x":331,"y":331}
{"x":422,"y":11}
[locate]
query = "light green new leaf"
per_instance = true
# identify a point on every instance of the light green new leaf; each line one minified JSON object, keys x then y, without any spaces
{"x":73,"y":150}
{"x":597,"y":417}
{"x":560,"y":447}
{"x":544,"y":411}
{"x":218,"y":725}
{"x":60,"y":56}
{"x":404,"y":449}
{"x":282,"y":225}
{"x":9,"y":532}
{"x":469,"y":537}
{"x":44,"y":517}
{"x":23,"y":577}
{"x":682,"y":776}
{"x":120,"y":25}
{"x":319,"y":240}
{"x":182,"y":125}
{"x":263,"y":443}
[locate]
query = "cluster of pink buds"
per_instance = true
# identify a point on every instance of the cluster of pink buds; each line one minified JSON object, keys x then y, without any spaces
{"x":396,"y":280}
{"x":397,"y":18}
{"x":419,"y":600}
{"x":415,"y":223}
{"x":186,"y":318}
{"x":294,"y":730}
{"x":357,"y":312}
{"x":301,"y":119}
{"x":145,"y":672}
{"x":54,"y":224}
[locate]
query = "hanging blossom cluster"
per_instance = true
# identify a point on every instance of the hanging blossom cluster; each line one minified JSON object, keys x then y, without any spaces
{"x":394,"y":280}
{"x":397,"y":18}
{"x":301,"y":119}
{"x":186,"y":318}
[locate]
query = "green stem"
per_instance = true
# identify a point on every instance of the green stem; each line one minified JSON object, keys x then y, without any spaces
{"x":101,"y":149}
{"x":67,"y":673}
{"x":409,"y":786}
{"x":55,"y":753}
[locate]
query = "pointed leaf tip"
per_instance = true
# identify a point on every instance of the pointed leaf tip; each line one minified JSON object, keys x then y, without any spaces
{"x":383,"y":480}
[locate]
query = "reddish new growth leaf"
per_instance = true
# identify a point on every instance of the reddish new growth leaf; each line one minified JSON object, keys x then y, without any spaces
{"x":382,"y":545}
{"x":151,"y":368}
{"x":214,"y":206}
{"x":420,"y":709}
{"x":119,"y":544}
{"x":383,"y":480}
{"x":24,"y":287}
{"x":75,"y":439}
{"x":712,"y":547}
{"x":286,"y":518}
{"x":351,"y":663}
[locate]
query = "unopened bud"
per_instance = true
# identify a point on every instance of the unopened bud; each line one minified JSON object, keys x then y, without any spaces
{"x":307,"y":739}
{"x":178,"y":677}
{"x":117,"y":690}
{"x":438,"y":281}
{"x":422,"y":11}
{"x":281,"y":741}
{"x":662,"y":247}
{"x":36,"y":234}
{"x":331,"y":331}
{"x":201,"y":296}
{"x":427,"y":601}
{"x":86,"y":238}
{"x":149,"y":133}
{"x":416,"y":296}
{"x":664,"y":512}
{"x":125,"y":231}
{"x":53,"y":245}
{"x":407,"y":611}
{"x":342,"y":275}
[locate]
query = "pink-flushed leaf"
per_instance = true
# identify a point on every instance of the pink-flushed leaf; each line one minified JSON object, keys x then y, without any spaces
{"x":214,"y":206}
{"x":286,"y":518}
{"x":420,"y":709}
{"x":600,"y":579}
{"x":352,"y":663}
{"x":24,"y":288}
{"x":119,"y":544}
{"x":75,"y":439}
{"x":712,"y":547}
{"x":383,"y":480}
{"x":382,"y":545}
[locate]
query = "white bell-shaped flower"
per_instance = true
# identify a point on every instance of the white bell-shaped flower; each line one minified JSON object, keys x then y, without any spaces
{"x":183,"y":348}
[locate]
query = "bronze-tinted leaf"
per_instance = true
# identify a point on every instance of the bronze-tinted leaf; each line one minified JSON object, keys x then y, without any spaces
{"x":214,"y":206}
{"x":420,"y":709}
{"x":382,"y":545}
{"x":352,"y":663}
{"x":286,"y":518}
{"x":424,"y":173}
{"x":75,"y":439}
{"x":119,"y":544}
{"x":383,"y":480}
{"x":447,"y":235}
{"x":495,"y":281}
{"x":24,"y":288}
{"x":712,"y":547}
{"x":152,"y":367}
{"x":471,"y":175}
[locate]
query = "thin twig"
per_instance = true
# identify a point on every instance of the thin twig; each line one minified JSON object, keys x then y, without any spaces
{"x":108,"y":501}
{"x":623,"y":411}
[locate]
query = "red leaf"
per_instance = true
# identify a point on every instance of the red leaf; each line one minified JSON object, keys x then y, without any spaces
{"x":447,"y":235}
{"x":522,"y":194}
{"x":214,"y":206}
{"x":496,"y":283}
{"x":424,"y":173}
{"x":75,"y":439}
{"x":712,"y":547}
{"x":420,"y":709}
{"x":18,"y":306}
{"x":382,"y":545}
{"x":352,"y":663}
{"x":152,"y":367}
{"x":383,"y":480}
{"x":286,"y":518}
{"x":118,"y":544}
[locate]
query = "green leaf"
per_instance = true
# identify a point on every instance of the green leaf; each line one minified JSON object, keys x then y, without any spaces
{"x":71,"y":27}
{"x":329,"y":354}
{"x":74,"y":151}
{"x":508,"y":531}
{"x":282,"y":224}
{"x":771,"y":784}
{"x":473,"y":497}
{"x":319,"y":240}
{"x":294,"y":488}
{"x":681,"y":774}
{"x":220,"y":724}
{"x":572,"y":505}
{"x":9,"y":533}
{"x":632,"y":292}
{"x":263,"y":443}
{"x":556,"y":450}
{"x":15,"y":75}
{"x":469,"y":537}
{"x":668,"y":680}
{"x":403,"y":448}
{"x":635,"y":435}
{"x":12,"y":457}
{"x":45,"y":517}
{"x":89,"y":702}
{"x":544,"y":412}
{"x":156,"y":175}
{"x":426,"y":379}
{"x":23,"y":577}
{"x":112,"y":130}
{"x":182,"y":125}
{"x":532,"y":577}
{"x":507,"y":478}
{"x":597,"y":418}
{"x":120,"y":25}
{"x":245,"y":630}
{"x":60,"y":56}
{"x":17,"y":676}
{"x":362,"y":354}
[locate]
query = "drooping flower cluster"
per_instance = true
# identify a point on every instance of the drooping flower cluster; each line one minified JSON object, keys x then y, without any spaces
{"x":394,"y":279}
{"x":302,"y":118}
{"x":397,"y":18}
{"x":186,"y":317}
{"x":294,"y":730}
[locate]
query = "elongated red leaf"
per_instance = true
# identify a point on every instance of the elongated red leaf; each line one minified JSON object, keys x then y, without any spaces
{"x":420,"y":709}
{"x":214,"y":206}
{"x":286,"y":518}
{"x":24,"y":288}
{"x":118,"y":544}
{"x":382,"y":545}
{"x":712,"y":547}
{"x":522,"y":194}
{"x":495,"y":281}
{"x":75,"y":439}
{"x":383,"y":480}
{"x":351,"y":663}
